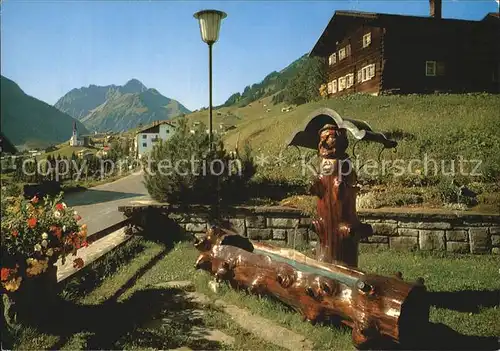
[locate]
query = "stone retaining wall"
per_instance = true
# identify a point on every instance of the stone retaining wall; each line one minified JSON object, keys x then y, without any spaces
{"x":461,"y":233}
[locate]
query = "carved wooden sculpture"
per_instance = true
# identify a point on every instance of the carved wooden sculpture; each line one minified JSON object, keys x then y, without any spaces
{"x":337,"y":225}
{"x":375,"y":307}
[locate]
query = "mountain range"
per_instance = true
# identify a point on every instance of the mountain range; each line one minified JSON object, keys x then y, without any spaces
{"x":118,"y":108}
{"x":27,"y":121}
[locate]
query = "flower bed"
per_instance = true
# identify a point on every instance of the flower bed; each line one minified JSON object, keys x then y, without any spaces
{"x":34,"y":235}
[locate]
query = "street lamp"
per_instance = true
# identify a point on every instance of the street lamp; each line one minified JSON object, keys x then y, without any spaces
{"x":209,"y":28}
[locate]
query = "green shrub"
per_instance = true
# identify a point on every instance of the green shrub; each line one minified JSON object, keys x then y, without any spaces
{"x":179,"y":170}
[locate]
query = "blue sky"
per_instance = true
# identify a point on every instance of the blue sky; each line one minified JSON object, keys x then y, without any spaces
{"x":51,"y":47}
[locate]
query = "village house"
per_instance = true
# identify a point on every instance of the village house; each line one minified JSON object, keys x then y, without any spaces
{"x":148,"y":136}
{"x":375,"y":52}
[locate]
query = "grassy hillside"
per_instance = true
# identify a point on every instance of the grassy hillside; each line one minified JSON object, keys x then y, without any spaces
{"x":30,"y":122}
{"x":443,"y":127}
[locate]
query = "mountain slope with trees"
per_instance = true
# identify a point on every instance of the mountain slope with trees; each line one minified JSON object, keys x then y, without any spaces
{"x":298,"y":83}
{"x":30,"y":122}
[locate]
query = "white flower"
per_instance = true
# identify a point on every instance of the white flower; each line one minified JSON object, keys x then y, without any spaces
{"x":45,"y":236}
{"x":64,"y":205}
{"x":49,"y":252}
{"x":64,"y":228}
{"x":44,"y":243}
{"x":75,"y":213}
{"x":57,"y":214}
{"x":38,"y":247}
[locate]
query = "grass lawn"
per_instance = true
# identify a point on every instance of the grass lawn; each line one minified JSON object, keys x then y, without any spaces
{"x":115,"y":304}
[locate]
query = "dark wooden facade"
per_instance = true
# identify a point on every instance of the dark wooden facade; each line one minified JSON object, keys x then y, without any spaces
{"x":463,"y":56}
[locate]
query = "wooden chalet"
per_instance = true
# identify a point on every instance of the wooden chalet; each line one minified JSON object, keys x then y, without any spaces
{"x":375,"y":52}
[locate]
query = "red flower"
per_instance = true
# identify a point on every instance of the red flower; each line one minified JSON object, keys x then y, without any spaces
{"x":5,"y":272}
{"x":78,"y":217}
{"x":85,"y":244}
{"x":15,"y":233}
{"x":59,"y":207}
{"x":56,"y":230}
{"x":78,"y":263}
{"x":32,"y":222}
{"x":34,"y":200}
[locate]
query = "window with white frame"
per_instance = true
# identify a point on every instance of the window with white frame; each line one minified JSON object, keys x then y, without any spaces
{"x":342,"y":83}
{"x":341,"y":54}
{"x":332,"y":59}
{"x":371,"y":71}
{"x":334,"y":86}
{"x":430,"y":68}
{"x":330,"y":88}
{"x":350,"y":80}
{"x":367,"y":39}
{"x":367,"y":73}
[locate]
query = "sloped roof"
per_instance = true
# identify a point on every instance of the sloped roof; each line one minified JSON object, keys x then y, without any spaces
{"x":153,"y":125}
{"x":342,"y":20}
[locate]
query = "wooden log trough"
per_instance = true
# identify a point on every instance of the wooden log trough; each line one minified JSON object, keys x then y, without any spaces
{"x":375,"y":307}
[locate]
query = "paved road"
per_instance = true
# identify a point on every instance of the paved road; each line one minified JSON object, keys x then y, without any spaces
{"x":98,"y":206}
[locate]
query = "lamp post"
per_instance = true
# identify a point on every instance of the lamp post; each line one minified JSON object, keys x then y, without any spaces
{"x":210,"y":21}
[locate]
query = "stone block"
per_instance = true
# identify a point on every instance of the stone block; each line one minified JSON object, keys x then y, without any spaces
{"x":259,"y":234}
{"x":297,"y":236}
{"x":432,"y":240}
{"x":479,"y":240}
{"x":495,"y":240}
{"x":458,"y":247}
{"x":456,"y":235}
{"x":282,"y":222}
{"x":408,"y":232}
{"x":425,"y":225}
{"x":495,"y":230}
{"x":377,"y":239}
{"x":404,"y":243}
{"x":478,"y":224}
{"x":197,"y":219}
{"x":238,"y":225}
{"x":305,"y":222}
{"x":371,"y":221}
{"x":387,"y":229}
{"x":279,"y":234}
{"x":255,"y":222}
{"x":196,"y":227}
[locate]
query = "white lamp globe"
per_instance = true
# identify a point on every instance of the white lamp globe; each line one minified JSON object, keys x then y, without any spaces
{"x":210,"y":24}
